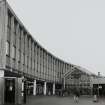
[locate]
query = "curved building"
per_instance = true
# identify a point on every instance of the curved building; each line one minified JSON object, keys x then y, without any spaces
{"x":26,"y":67}
{"x":24,"y":63}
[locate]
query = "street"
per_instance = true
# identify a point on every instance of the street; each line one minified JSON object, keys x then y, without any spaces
{"x":55,"y":100}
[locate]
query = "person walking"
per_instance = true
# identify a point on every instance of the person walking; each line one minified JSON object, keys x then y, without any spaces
{"x":76,"y":96}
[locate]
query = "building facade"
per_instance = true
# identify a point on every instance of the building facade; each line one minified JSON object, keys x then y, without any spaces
{"x":26,"y":68}
{"x":24,"y":63}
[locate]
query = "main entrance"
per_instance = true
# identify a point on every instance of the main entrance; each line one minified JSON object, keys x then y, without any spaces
{"x":13,"y":92}
{"x":9,"y":91}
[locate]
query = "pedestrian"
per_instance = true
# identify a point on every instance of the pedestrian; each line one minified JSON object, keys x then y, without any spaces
{"x":76,"y":96}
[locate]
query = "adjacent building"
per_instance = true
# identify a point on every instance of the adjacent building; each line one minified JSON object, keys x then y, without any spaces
{"x":84,"y":81}
{"x":81,"y":79}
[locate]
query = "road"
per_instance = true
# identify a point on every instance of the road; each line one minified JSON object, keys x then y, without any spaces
{"x":55,"y":100}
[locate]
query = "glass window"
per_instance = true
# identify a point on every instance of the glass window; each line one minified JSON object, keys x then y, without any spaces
{"x":15,"y":26}
{"x":14,"y":52}
{"x":7,"y":48}
{"x":19,"y":55}
{"x":9,"y":26}
{"x":15,"y":29}
{"x":9,"y":19}
{"x":23,"y":58}
{"x":19,"y":38}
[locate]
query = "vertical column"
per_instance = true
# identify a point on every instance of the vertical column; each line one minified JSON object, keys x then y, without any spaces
{"x":1,"y":87}
{"x":11,"y":42}
{"x":45,"y":88}
{"x":3,"y":33}
{"x":91,"y":85}
{"x":34,"y":89}
{"x":22,"y":86}
{"x":64,"y":82}
{"x":18,"y":93}
{"x":53,"y":88}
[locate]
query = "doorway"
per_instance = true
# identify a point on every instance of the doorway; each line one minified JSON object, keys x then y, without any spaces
{"x":9,"y":90}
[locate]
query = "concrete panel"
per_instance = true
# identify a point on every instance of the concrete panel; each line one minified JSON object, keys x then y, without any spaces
{"x":3,"y":17}
{"x":19,"y":88}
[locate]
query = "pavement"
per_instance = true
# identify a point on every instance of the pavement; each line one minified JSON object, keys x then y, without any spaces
{"x":56,"y":100}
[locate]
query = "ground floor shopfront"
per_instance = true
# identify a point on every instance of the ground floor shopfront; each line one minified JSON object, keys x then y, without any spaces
{"x":14,"y":87}
{"x":99,"y":89}
{"x":94,"y":89}
{"x":99,"y":86}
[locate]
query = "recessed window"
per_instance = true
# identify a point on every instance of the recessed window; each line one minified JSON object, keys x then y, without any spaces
{"x":13,"y":52}
{"x":19,"y":56}
{"x":8,"y":48}
{"x":15,"y":31}
{"x":9,"y":19}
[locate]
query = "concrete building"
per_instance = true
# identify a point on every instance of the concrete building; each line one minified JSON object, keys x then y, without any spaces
{"x":99,"y":86}
{"x":85,"y":81}
{"x":26,"y":68}
{"x":81,"y":79}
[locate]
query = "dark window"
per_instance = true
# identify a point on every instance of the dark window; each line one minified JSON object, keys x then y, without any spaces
{"x":9,"y":26}
{"x":9,"y":19}
{"x":13,"y":52}
{"x":15,"y":31}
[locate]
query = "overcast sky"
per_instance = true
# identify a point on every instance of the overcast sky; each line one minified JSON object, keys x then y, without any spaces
{"x":73,"y":30}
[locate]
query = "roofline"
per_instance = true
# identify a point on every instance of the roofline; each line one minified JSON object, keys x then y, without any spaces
{"x":22,"y":25}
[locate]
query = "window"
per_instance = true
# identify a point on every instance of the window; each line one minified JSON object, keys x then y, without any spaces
{"x":8,"y":48}
{"x":13,"y":52}
{"x":15,"y":29}
{"x":20,"y":39}
{"x":15,"y":26}
{"x":9,"y":26}
{"x":23,"y":59}
{"x":19,"y":56}
{"x":24,"y":35}
{"x":9,"y":19}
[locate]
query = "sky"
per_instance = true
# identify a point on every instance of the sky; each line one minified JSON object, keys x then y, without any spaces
{"x":73,"y":30}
